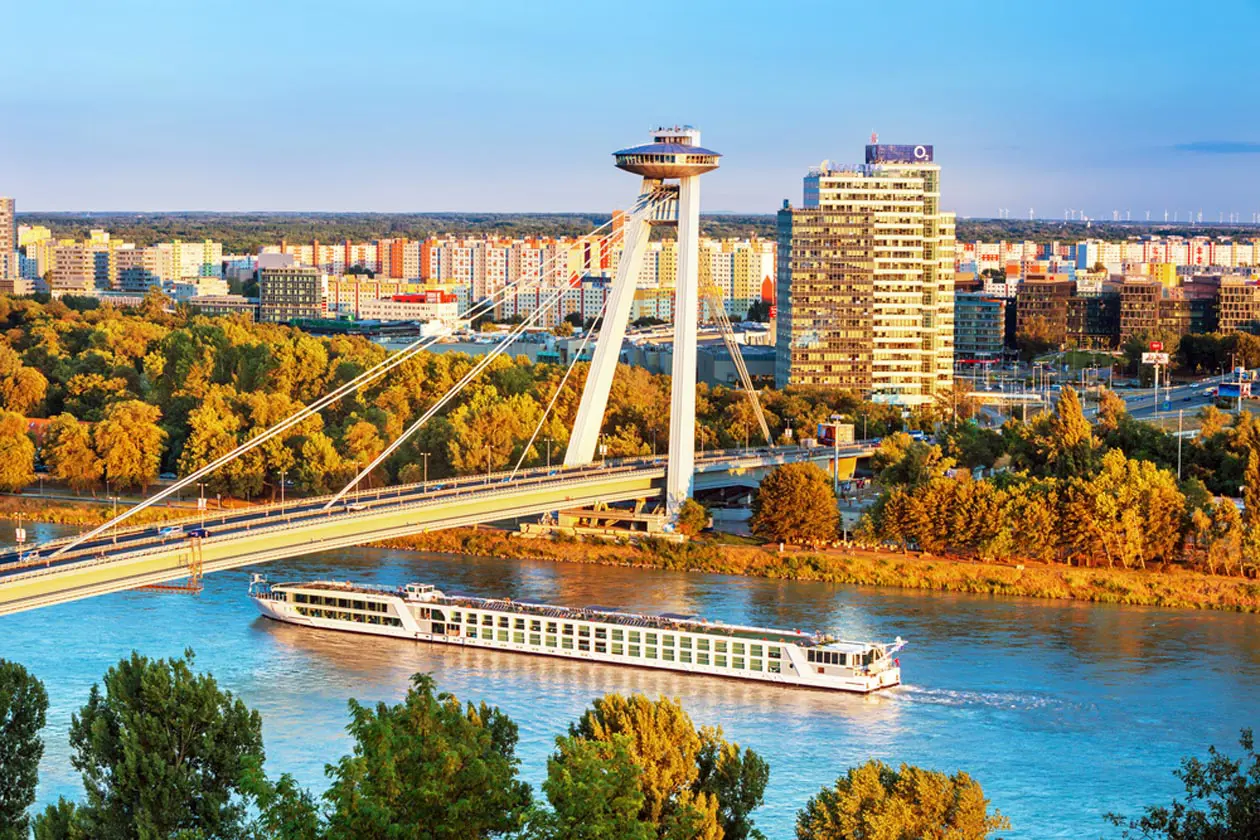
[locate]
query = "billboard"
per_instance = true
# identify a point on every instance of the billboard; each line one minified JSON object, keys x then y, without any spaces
{"x":1154,"y":358}
{"x":884,"y":153}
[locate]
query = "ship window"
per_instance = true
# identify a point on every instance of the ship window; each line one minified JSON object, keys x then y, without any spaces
{"x":754,"y":650}
{"x":536,"y":626}
{"x":503,"y":635}
{"x":551,"y":641}
{"x":651,"y":638}
{"x":634,"y":635}
{"x":396,"y":622}
{"x":667,"y":654}
{"x":487,"y":620}
{"x":618,"y":649}
{"x":702,"y":659}
{"x":649,"y":653}
{"x":503,"y":621}
{"x":720,"y":646}
{"x":439,"y":627}
{"x":471,"y":632}
{"x":776,"y":668}
{"x":551,"y":627}
{"x":810,"y":655}
{"x":702,"y":644}
{"x":566,"y":643}
{"x":584,"y":644}
{"x":601,"y":633}
{"x":358,"y":605}
{"x":737,"y":662}
{"x":437,"y":615}
{"x":775,"y":653}
{"x":456,"y":618}
{"x":568,"y":629}
{"x":737,"y":647}
{"x":684,"y":656}
{"x":719,"y":661}
{"x":583,"y":630}
{"x":618,"y":635}
{"x":518,"y":624}
{"x":635,"y":650}
{"x":668,"y":641}
{"x":300,"y":597}
{"x":535,"y":639}
{"x":754,"y":665}
{"x":684,"y":641}
{"x":601,"y":647}
{"x":519,"y":638}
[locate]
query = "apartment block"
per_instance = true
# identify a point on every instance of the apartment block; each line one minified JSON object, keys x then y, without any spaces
{"x":8,"y":238}
{"x":288,"y":293}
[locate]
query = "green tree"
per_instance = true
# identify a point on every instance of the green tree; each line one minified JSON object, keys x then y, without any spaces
{"x":17,"y":453}
{"x":736,"y":778}
{"x":1251,"y":511}
{"x":162,"y":751}
{"x":593,"y":790}
{"x":1222,"y":800}
{"x":320,"y":465}
{"x":1068,"y":447}
{"x":693,"y":518}
{"x":876,"y":802}
{"x":129,"y":443}
{"x":23,"y":709}
{"x":795,"y":503}
{"x":427,"y":769}
{"x":69,"y":454}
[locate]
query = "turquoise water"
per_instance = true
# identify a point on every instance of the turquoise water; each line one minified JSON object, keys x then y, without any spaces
{"x":1062,"y":711}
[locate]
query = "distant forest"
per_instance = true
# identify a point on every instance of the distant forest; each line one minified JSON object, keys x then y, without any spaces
{"x":246,"y":232}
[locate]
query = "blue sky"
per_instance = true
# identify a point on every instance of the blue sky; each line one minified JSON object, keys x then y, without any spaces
{"x":514,"y":106}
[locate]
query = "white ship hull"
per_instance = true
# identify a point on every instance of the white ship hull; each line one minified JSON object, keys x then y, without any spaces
{"x":792,"y":664}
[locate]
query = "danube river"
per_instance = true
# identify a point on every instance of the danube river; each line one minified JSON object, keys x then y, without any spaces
{"x":1062,"y":711}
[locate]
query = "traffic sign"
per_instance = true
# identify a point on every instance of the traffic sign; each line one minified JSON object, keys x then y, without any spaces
{"x":1157,"y":347}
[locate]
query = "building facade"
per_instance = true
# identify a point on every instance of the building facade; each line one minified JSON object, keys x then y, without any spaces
{"x":979,"y":326}
{"x":865,"y":280}
{"x":1239,"y":305}
{"x":8,"y":238}
{"x":288,"y":293}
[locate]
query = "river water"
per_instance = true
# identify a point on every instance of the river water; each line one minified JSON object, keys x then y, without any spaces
{"x":1062,"y":711}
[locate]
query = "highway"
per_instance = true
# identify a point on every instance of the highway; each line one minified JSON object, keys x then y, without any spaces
{"x":145,"y":555}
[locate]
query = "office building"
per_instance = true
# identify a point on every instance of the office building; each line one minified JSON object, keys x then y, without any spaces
{"x":288,"y":293}
{"x":865,"y":279}
{"x":432,"y":305}
{"x":979,"y":326}
{"x":1239,"y":305}
{"x":8,"y":238}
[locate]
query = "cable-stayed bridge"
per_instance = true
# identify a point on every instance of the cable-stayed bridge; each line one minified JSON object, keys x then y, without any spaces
{"x":114,"y":556}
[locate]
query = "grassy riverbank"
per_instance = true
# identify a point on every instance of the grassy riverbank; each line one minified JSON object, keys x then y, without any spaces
{"x":1171,"y":588}
{"x":63,"y":512}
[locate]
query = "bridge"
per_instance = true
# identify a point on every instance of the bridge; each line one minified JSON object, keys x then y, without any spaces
{"x":115,"y":556}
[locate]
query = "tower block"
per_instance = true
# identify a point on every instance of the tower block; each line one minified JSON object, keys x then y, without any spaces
{"x":671,"y":166}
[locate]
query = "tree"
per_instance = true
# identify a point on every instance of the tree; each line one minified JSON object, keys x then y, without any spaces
{"x":1251,"y":511}
{"x":129,"y":443}
{"x":593,"y":790}
{"x":427,"y":768}
{"x":69,"y":454}
{"x":23,"y":709}
{"x":796,"y":503}
{"x":1069,"y":445}
{"x":758,"y":310}
{"x":17,"y":453}
{"x":320,"y":465}
{"x":736,"y":778}
{"x":162,"y":750}
{"x":564,"y":329}
{"x":22,"y":388}
{"x":1222,"y":800}
{"x":693,"y":518}
{"x":1111,"y":410}
{"x":875,"y":802}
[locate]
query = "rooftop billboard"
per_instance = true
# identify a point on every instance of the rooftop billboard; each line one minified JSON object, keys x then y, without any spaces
{"x":884,"y":153}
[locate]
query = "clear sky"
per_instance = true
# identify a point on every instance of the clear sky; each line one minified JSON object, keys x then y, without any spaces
{"x":515,"y":106}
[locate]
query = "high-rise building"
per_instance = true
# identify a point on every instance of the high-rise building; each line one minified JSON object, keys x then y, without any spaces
{"x":979,"y":326}
{"x":1239,"y":305}
{"x":865,"y":279}
{"x":288,"y":293}
{"x":8,"y":238}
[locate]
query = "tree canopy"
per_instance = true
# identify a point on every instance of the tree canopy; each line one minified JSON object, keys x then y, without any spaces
{"x":23,"y":711}
{"x":796,"y":503}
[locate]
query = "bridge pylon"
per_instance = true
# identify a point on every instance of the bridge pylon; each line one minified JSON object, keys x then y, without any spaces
{"x":671,"y":166}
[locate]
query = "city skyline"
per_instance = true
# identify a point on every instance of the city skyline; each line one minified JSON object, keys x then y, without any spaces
{"x":232,"y":109}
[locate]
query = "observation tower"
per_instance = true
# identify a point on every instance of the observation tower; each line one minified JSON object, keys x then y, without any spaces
{"x":670,"y":166}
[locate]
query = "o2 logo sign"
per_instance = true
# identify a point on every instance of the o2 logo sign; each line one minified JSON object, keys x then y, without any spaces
{"x":883,"y":153}
{"x":922,"y":153}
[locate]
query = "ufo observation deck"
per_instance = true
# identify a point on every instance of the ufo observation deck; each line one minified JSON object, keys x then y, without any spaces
{"x":673,"y":153}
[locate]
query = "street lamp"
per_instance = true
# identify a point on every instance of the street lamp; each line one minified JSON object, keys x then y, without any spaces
{"x":487,"y":463}
{"x":548,"y":453}
{"x":283,"y":473}
{"x":425,"y":455}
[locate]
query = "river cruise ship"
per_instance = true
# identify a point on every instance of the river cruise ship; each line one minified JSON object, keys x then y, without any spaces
{"x":423,"y":613}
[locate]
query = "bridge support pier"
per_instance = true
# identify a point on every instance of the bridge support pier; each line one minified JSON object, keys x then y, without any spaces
{"x":682,"y":413}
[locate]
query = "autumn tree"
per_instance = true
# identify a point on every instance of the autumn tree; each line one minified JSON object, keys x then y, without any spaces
{"x":795,"y":503}
{"x":69,"y":454}
{"x":876,"y":802}
{"x":1130,"y":512}
{"x":17,"y":453}
{"x":22,"y":388}
{"x":1068,"y":447}
{"x":23,"y":711}
{"x":693,"y":518}
{"x":1251,"y":511}
{"x":427,"y":768}
{"x":162,"y":751}
{"x":321,"y":465}
{"x":1111,"y":410}
{"x":593,"y":791}
{"x":129,"y":443}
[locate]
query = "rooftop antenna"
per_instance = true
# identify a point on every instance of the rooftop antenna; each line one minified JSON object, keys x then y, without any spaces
{"x":874,"y":138}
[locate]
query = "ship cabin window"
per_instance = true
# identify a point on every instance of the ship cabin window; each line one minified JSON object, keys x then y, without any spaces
{"x":635,"y":636}
{"x":755,"y":665}
{"x":583,"y":630}
{"x":776,"y":667}
{"x":684,"y":656}
{"x":635,"y":650}
{"x":439,"y":627}
{"x":551,"y":641}
{"x":503,"y":635}
{"x":535,"y":626}
{"x":358,"y":605}
{"x":437,"y":615}
{"x":518,"y":624}
{"x":667,"y":641}
{"x":650,"y":653}
{"x":601,"y":647}
{"x":568,"y":629}
{"x":775,"y":653}
{"x":618,"y":634}
{"x":601,"y":632}
{"x":503,"y":621}
{"x":828,"y":657}
{"x":519,"y":638}
{"x":456,"y":618}
{"x":684,"y":641}
{"x":535,"y":639}
{"x":737,"y":647}
{"x":667,"y":654}
{"x":551,"y":627}
{"x":755,"y":650}
{"x":702,"y":659}
{"x":618,"y":649}
{"x":487,"y":620}
{"x":470,"y":631}
{"x":566,"y":643}
{"x":702,"y":644}
{"x":584,"y":644}
{"x":737,"y":662}
{"x":299,"y":597}
{"x":719,"y":646}
{"x":651,"y":638}
{"x":719,"y":660}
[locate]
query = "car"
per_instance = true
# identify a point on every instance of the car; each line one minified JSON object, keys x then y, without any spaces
{"x":167,"y":476}
{"x":1187,"y":399}
{"x":170,"y":531}
{"x":198,"y":533}
{"x":356,"y":506}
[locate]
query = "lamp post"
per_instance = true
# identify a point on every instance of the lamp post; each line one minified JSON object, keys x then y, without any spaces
{"x":283,"y":473}
{"x":548,"y":454}
{"x":425,"y":455}
{"x":487,"y":463}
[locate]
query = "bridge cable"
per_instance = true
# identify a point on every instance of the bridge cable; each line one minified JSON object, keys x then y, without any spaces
{"x":714,"y":299}
{"x":354,"y":385}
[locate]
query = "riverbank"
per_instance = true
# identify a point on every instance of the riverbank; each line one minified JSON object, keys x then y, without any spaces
{"x":65,"y":512}
{"x":1170,"y":588}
